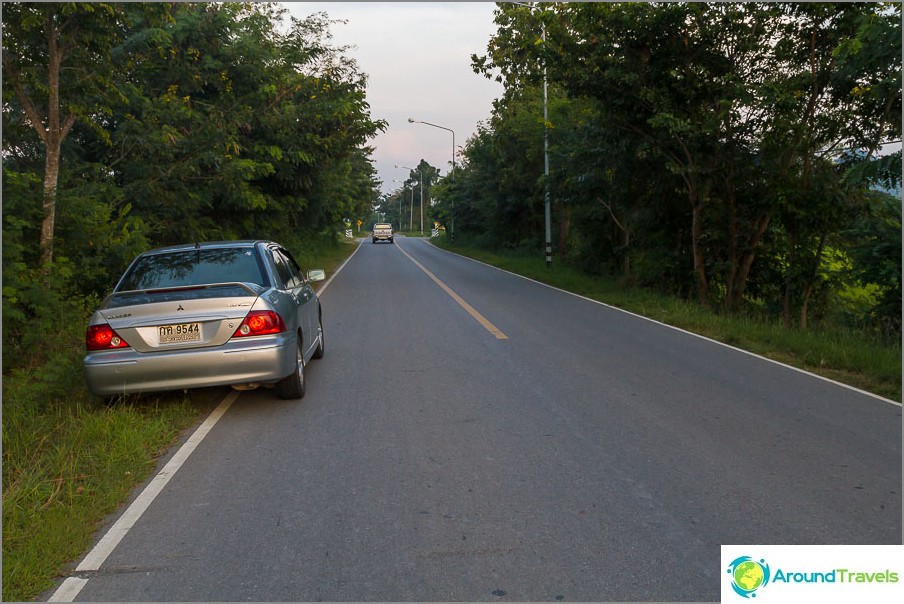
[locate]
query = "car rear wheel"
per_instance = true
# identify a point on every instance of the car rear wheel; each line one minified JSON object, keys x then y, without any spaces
{"x":292,"y":386}
{"x":318,"y":354}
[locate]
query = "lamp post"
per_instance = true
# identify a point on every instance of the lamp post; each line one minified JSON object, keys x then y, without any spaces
{"x":546,"y":203}
{"x":411,"y":211}
{"x":405,"y":185}
{"x":421,"y":174}
{"x":452,"y":174}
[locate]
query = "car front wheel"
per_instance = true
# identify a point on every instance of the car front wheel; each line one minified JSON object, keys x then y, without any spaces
{"x":292,"y":386}
{"x":321,"y":345}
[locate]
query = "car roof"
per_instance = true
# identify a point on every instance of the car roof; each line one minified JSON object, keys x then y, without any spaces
{"x":207,"y":245}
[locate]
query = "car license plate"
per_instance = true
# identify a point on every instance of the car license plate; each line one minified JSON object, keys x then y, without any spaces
{"x":182,"y":332}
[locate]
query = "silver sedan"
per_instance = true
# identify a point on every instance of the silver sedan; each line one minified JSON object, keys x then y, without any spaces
{"x":237,"y":313}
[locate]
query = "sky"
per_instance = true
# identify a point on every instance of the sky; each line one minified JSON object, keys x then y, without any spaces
{"x":417,"y":57}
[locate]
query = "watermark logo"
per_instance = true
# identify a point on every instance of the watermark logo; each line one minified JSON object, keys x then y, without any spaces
{"x":748,"y":575}
{"x":804,"y":573}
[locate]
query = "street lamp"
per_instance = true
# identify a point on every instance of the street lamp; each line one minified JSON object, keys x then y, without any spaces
{"x":548,"y":220}
{"x":405,"y":185}
{"x":421,"y":174}
{"x":451,"y":194}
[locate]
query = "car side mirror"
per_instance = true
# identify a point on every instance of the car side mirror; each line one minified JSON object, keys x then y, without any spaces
{"x":316,"y":275}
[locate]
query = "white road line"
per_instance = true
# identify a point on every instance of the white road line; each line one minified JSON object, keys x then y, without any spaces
{"x":690,"y":333}
{"x":96,"y":557}
{"x":109,"y":541}
{"x":336,"y":272}
{"x":68,"y":590}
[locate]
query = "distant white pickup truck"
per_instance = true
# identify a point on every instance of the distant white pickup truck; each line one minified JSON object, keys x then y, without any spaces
{"x":382,"y":232}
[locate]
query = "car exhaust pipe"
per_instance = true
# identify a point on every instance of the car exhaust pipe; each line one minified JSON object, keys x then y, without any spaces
{"x":248,"y":386}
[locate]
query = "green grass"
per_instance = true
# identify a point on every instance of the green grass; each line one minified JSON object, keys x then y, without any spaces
{"x":70,"y":460}
{"x":66,"y":465}
{"x":325,"y":255}
{"x":841,"y":354}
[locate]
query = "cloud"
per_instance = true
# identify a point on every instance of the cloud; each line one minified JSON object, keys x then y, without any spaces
{"x":417,"y":57}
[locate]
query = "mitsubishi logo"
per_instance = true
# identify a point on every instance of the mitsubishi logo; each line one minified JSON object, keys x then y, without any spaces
{"x":180,"y":307}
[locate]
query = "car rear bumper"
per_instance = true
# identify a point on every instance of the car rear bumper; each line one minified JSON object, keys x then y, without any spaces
{"x":254,"y":360}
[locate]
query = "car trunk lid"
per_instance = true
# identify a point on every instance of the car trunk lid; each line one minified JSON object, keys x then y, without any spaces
{"x":179,"y":318}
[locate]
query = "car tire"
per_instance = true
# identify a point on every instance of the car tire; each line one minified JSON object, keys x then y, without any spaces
{"x":318,"y":353}
{"x":375,"y":240}
{"x":390,"y":240}
{"x":292,"y":386}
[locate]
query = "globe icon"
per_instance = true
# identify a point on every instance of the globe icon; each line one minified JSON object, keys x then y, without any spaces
{"x":749,"y":575}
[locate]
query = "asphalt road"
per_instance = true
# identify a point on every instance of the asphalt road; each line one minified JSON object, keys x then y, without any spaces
{"x":533,"y":446}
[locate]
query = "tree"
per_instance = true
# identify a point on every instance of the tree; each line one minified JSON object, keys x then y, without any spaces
{"x":876,"y":254}
{"x":56,"y":62}
{"x":238,"y":125}
{"x":740,"y":109}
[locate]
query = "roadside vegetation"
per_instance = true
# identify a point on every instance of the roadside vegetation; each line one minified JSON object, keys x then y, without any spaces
{"x":835,"y":351}
{"x":732,"y":168}
{"x":69,"y":459}
{"x":125,"y":127}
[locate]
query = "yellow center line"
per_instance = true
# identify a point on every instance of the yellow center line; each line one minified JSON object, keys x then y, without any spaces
{"x":468,"y":308}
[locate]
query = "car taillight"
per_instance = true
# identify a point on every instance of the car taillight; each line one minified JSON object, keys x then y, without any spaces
{"x":103,"y":337}
{"x":259,"y":323}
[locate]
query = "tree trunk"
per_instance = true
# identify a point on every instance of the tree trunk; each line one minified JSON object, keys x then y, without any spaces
{"x":699,"y":260}
{"x":786,"y":306}
{"x":811,"y":283}
{"x":52,"y":141}
{"x":626,"y":255}
{"x":51,"y":176}
{"x":803,"y":307}
{"x":564,"y":229}
{"x":790,"y":281}
{"x":732,"y":300}
{"x":52,"y":133}
{"x":625,"y":239}
{"x":744,"y":264}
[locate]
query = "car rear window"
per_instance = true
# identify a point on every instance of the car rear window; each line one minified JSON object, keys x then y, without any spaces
{"x":382,"y":226}
{"x":194,"y":267}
